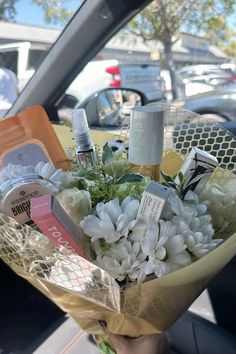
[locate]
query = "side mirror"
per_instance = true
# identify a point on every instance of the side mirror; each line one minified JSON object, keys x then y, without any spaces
{"x":112,"y":106}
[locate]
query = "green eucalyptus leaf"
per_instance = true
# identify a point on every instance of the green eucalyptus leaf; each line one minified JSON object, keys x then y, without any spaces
{"x":167,"y":178}
{"x":181,"y":177}
{"x":168,"y":181}
{"x":107,"y":154}
{"x":196,"y":179}
{"x":130,"y":178}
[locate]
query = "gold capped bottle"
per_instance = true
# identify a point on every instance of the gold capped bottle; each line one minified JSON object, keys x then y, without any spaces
{"x":146,"y":140}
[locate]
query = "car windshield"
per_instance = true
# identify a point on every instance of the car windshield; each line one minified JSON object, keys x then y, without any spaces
{"x":169,"y":68}
{"x":198,"y":61}
{"x":28,"y":31}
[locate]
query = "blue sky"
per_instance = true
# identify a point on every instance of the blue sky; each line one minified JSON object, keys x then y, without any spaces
{"x":29,"y":13}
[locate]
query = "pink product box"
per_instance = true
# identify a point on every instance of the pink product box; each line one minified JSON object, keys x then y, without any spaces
{"x":56,"y":224}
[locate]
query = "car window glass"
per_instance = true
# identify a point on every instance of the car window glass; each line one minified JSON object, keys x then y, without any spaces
{"x":194,"y":53}
{"x":133,"y":58}
{"x":27,"y":32}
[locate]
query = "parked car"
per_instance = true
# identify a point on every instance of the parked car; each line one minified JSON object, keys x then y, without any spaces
{"x":202,"y":78}
{"x":190,"y":71}
{"x":27,"y":318}
{"x":217,"y":105}
{"x":24,"y":58}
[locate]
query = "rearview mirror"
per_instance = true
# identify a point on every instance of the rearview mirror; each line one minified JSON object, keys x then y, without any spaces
{"x":112,"y":106}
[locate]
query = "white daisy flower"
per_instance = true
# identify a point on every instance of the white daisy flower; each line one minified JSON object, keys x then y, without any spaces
{"x":77,"y":203}
{"x":124,"y":259}
{"x":198,"y":239}
{"x":164,"y":248}
{"x":221,"y":201}
{"x":13,"y":171}
{"x":113,"y":220}
{"x":43,"y":169}
{"x":118,"y":146}
{"x":48,"y":172}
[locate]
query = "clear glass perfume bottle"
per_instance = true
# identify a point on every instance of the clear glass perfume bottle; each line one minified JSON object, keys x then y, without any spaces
{"x":85,"y":150}
{"x":146,"y":140}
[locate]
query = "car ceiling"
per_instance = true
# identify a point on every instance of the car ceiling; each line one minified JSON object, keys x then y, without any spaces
{"x":87,"y":32}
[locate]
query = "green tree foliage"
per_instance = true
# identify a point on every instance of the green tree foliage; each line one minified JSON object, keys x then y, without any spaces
{"x":228,"y":43}
{"x":7,"y":10}
{"x":54,"y":12}
{"x":162,"y":20}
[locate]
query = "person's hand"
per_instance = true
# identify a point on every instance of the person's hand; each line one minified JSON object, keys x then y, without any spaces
{"x":148,"y":344}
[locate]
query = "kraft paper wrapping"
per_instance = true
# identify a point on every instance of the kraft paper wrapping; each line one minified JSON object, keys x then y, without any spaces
{"x":90,"y":294}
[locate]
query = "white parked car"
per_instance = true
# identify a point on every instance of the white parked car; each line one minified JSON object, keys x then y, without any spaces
{"x":24,"y":58}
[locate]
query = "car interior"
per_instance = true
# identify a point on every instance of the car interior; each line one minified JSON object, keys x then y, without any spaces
{"x":28,"y":318}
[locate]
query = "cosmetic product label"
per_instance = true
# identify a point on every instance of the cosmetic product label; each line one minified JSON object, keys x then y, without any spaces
{"x":197,"y":169}
{"x":152,"y":203}
{"x":56,"y":224}
{"x":16,"y":202}
{"x":86,"y":159}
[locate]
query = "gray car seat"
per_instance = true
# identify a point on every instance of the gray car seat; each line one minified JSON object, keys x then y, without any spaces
{"x":192,"y":334}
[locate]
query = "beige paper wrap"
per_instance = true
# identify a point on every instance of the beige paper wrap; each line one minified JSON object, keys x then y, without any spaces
{"x":89,"y":294}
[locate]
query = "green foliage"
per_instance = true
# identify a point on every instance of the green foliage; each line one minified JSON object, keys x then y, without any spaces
{"x":107,"y":154}
{"x":135,"y":190}
{"x":117,"y":167}
{"x":54,"y":12}
{"x":162,"y":20}
{"x":181,"y":186}
{"x":106,"y":348}
{"x":110,"y":178}
{"x":130,"y":178}
{"x":7,"y":10}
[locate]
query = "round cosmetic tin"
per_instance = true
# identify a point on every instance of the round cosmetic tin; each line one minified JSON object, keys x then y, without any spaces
{"x":16,"y":193}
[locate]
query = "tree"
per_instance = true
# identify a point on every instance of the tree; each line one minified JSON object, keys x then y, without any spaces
{"x":7,"y":10}
{"x":54,"y":12}
{"x":162,"y":20}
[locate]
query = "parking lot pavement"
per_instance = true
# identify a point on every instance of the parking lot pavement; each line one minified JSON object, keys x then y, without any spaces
{"x":68,"y":338}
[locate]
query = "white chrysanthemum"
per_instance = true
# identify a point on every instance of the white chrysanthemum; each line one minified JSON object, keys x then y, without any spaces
{"x":163,"y":246}
{"x":77,"y":203}
{"x":43,"y":169}
{"x":118,"y":146}
{"x":113,"y":220}
{"x":221,"y":202}
{"x":12,"y":171}
{"x":192,"y":222}
{"x":48,"y":172}
{"x":124,"y":259}
{"x":197,"y":234}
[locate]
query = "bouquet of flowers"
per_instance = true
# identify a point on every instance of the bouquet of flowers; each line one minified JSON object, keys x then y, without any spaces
{"x":137,"y":274}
